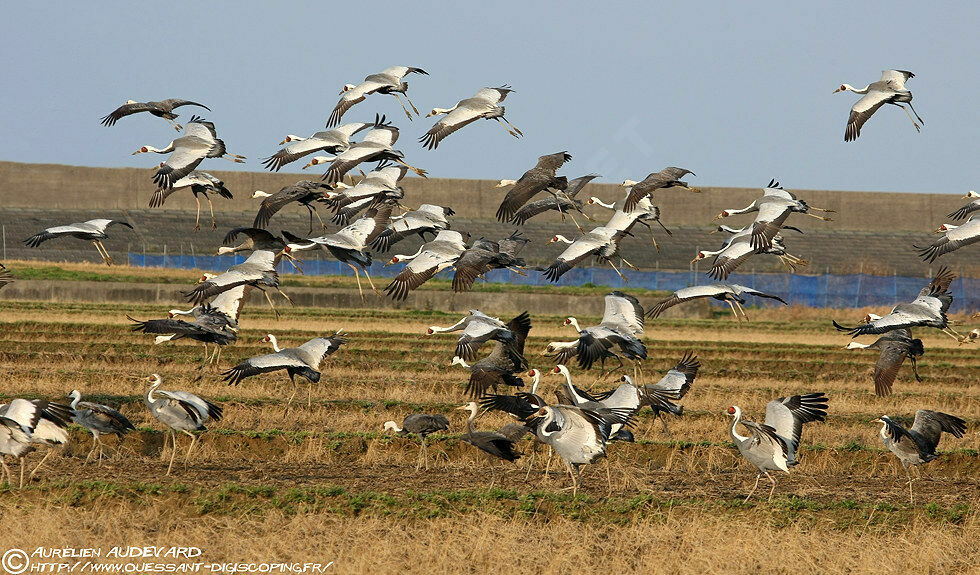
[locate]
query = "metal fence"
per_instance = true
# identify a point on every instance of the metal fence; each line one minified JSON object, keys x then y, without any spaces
{"x":826,"y":290}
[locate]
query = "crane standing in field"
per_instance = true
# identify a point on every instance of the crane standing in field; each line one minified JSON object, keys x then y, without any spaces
{"x":99,"y":419}
{"x":493,"y":443}
{"x":92,"y":230}
{"x":917,"y":445}
{"x":179,"y":411}
{"x":890,"y":89}
{"x":420,"y":424}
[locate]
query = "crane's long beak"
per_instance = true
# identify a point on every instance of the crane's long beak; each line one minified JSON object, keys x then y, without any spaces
{"x":837,"y":90}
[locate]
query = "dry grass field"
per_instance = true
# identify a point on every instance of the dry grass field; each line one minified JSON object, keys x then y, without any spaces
{"x":278,"y":482}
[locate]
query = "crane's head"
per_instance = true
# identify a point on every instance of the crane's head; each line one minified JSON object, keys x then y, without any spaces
{"x":291,"y":138}
{"x":944,"y":228}
{"x":700,"y":256}
{"x":142,"y":150}
{"x":75,"y":395}
{"x":431,"y":330}
{"x":317,"y":160}
{"x":734,"y":411}
{"x":458,"y":361}
{"x":723,"y":214}
{"x":533,"y":373}
{"x":472,"y":407}
{"x":505,"y":183}
{"x":391,"y":426}
{"x":626,"y":379}
{"x":972,"y":194}
{"x":854,"y":345}
{"x":871,"y":317}
{"x":844,"y":88}
{"x":347,"y":87}
{"x":260,"y":194}
{"x":629,"y":183}
{"x":224,"y":250}
{"x":154,"y":379}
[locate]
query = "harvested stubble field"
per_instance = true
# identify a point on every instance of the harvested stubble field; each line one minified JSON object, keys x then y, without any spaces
{"x":321,"y":483}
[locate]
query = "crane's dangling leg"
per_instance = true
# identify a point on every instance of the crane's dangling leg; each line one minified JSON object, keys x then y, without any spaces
{"x":513,"y":126}
{"x":95,"y":445}
{"x":323,"y":226}
{"x":742,"y":309}
{"x":174,"y":124}
{"x":187,"y":457}
{"x":101,"y":254}
{"x":197,"y":221}
{"x":106,"y":252}
{"x":214,"y":223}
{"x":954,"y":334}
{"x":627,"y":263}
{"x":921,"y":121}
{"x":23,"y":464}
{"x":917,"y":128}
{"x":173,"y":452}
{"x":422,"y":173}
{"x":663,"y":419}
{"x":516,"y":271}
{"x":411,"y":104}
{"x":272,"y":305}
{"x":357,"y":276}
{"x":824,"y":218}
{"x":509,"y":131}
{"x":370,"y":281}
{"x":734,"y":313}
{"x":773,"y":489}
{"x":617,"y":271}
{"x":749,"y":496}
{"x":402,"y":105}
{"x":289,"y":299}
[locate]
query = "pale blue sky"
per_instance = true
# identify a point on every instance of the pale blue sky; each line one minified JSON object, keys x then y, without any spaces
{"x":737,"y":92}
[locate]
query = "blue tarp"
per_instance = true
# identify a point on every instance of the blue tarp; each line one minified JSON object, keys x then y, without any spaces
{"x":827,"y":290}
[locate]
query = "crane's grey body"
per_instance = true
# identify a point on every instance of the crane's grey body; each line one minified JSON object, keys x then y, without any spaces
{"x":180,"y":411}
{"x":98,"y":419}
{"x":427,"y":218}
{"x":917,"y":444}
{"x":420,"y":424}
{"x":332,"y":141}
{"x":92,"y":230}
{"x":484,"y":104}
{"x":430,"y":259}
{"x":890,"y":89}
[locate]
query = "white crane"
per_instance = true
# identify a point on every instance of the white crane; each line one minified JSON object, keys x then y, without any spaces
{"x":201,"y":184}
{"x":484,"y":104}
{"x":430,"y":259}
{"x":772,"y":446}
{"x":738,"y":248}
{"x":894,"y":346}
{"x":376,"y":146}
{"x":621,"y":327}
{"x":478,"y":328}
{"x":162,"y":109}
{"x":258,"y":270}
{"x":774,"y":207}
{"x":890,"y":89}
{"x":642,"y":212}
{"x":180,"y":411}
{"x":728,"y":293}
{"x":332,"y":141}
{"x":601,"y":242}
{"x":954,"y":238}
{"x":99,"y":419}
{"x":965,"y":211}
{"x":200,"y":140}
{"x":374,"y":188}
{"x":626,"y":398}
{"x":92,"y":230}
{"x":15,"y":440}
{"x":388,"y":81}
{"x":428,"y":218}
{"x":917,"y":445}
{"x":420,"y":424}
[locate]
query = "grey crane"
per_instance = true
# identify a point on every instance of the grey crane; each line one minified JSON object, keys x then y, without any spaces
{"x":256,"y":239}
{"x":738,"y":248}
{"x":477,"y":328}
{"x":201,"y":184}
{"x":621,"y":327}
{"x":209,"y":326}
{"x":388,"y":81}
{"x":375,"y":146}
{"x":642,"y":213}
{"x":431,"y":258}
{"x":538,"y":179}
{"x":15,"y":440}
{"x":954,"y":238}
{"x":99,"y":419}
{"x":773,"y":446}
{"x":894,"y":346}
{"x":927,"y":310}
{"x":303,"y":192}
{"x":45,"y":423}
{"x":602,"y":242}
{"x":562,"y":201}
{"x":917,"y":445}
{"x":890,"y":89}
{"x":222,"y":311}
{"x":92,"y":230}
{"x":349,"y":245}
{"x":626,"y":398}
{"x":428,"y":218}
{"x":491,"y":442}
{"x":162,"y":109}
{"x":728,"y":293}
{"x":304,"y":360}
{"x":258,"y":270}
{"x":668,"y":177}
{"x":774,"y":207}
{"x":200,"y":141}
{"x":486,"y":255}
{"x":965,"y":211}
{"x":5,"y":276}
{"x":484,"y":104}
{"x":505,"y":360}
{"x":420,"y":424}
{"x":332,"y":141}
{"x":672,"y":387}
{"x":377,"y":186}
{"x":180,"y":411}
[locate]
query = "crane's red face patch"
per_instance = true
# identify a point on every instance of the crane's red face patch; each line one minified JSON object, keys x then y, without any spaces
{"x":143,"y":149}
{"x":429,"y":331}
{"x":394,"y":260}
{"x":532,"y":373}
{"x":287,"y":249}
{"x":170,"y":315}
{"x":731,"y":411}
{"x":843,"y":88}
{"x":265,"y":339}
{"x":557,"y":369}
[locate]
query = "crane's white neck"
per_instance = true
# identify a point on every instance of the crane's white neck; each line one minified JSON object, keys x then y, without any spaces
{"x":405,"y":258}
{"x":392,"y":426}
{"x":535,"y":380}
{"x":459,"y":361}
{"x":75,"y":396}
{"x":573,"y":322}
{"x":850,"y":88}
{"x":737,"y":416}
{"x":437,"y":111}
{"x":561,"y":238}
{"x":856,"y":345}
{"x":260,"y":194}
{"x":595,"y":200}
{"x":505,"y":183}
{"x":292,"y":138}
{"x":156,"y":381}
{"x":629,"y":183}
{"x":275,"y":342}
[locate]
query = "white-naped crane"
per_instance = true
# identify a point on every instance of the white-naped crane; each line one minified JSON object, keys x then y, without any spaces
{"x":428,"y":218}
{"x":626,"y":397}
{"x":728,"y":293}
{"x":377,"y":186}
{"x":774,"y":207}
{"x":893,"y":347}
{"x":180,"y":411}
{"x":564,"y":351}
{"x":5,"y":276}
{"x":965,"y":211}
{"x":303,"y":192}
{"x":476,"y":329}
{"x":484,"y":104}
{"x":349,"y":244}
{"x":15,"y":440}
{"x":304,"y":360}
{"x":92,"y":230}
{"x":738,"y":248}
{"x":222,"y":311}
{"x":562,"y":201}
{"x":543,"y":176}
{"x":332,"y":141}
{"x":431,"y":258}
{"x":200,"y":141}
{"x":45,"y":423}
{"x":668,"y":177}
{"x":375,"y":146}
{"x":209,"y":326}
{"x":954,"y":238}
{"x":255,"y":239}
{"x":486,"y":255}
{"x":601,"y":242}
{"x":492,"y":443}
{"x":773,"y":445}
{"x":162,"y":109}
{"x":505,"y":360}
{"x":642,"y":213}
{"x":258,"y":271}
{"x":917,"y":444}
{"x":388,"y":81}
{"x":100,"y":420}
{"x":672,"y":387}
{"x":890,"y":89}
{"x":421,"y":425}
{"x":618,"y":333}
{"x":201,"y":184}
{"x":927,"y":310}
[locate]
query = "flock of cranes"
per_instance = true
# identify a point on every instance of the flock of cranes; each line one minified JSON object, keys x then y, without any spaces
{"x":581,"y":425}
